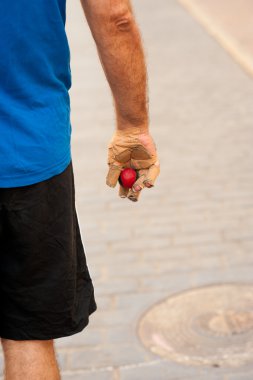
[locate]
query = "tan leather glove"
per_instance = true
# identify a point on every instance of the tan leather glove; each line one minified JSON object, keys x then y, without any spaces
{"x":135,"y":148}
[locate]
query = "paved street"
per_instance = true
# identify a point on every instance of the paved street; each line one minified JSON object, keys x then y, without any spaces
{"x":195,"y":227}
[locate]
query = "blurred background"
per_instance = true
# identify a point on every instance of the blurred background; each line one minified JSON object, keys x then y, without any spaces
{"x":173,"y":272}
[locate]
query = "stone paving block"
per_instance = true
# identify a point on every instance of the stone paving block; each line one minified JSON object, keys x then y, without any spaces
{"x":142,"y":244}
{"x":201,"y":263}
{"x":90,"y":336}
{"x":208,"y":225}
{"x":239,"y":376}
{"x":93,"y":249}
{"x":121,"y":335}
{"x":176,"y":253}
{"x":91,"y":375}
{"x":110,"y":235}
{"x":239,"y":273}
{"x":165,"y":283}
{"x":140,"y":269}
{"x":1,"y":364}
{"x":196,"y":238}
{"x":123,"y":285}
{"x":110,"y":355}
{"x":139,"y":300}
{"x":62,"y":358}
{"x":149,"y":372}
{"x":166,"y":370}
{"x":123,"y":257}
{"x":241,"y":233}
{"x":241,"y":260}
{"x":195,"y":263}
{"x":103,"y":302}
{"x":116,"y":317}
{"x":155,"y":230}
{"x":234,"y":274}
{"x":247,"y":245}
{"x":218,"y":248}
{"x":173,"y":217}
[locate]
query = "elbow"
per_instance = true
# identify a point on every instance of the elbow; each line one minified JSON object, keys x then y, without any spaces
{"x":122,"y":21}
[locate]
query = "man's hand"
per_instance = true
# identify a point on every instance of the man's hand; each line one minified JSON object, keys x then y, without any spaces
{"x":133,"y":148}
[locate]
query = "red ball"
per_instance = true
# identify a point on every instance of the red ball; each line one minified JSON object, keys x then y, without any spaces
{"x":128,"y":177}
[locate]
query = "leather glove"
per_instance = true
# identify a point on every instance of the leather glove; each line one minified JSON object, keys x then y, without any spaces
{"x":132,"y":148}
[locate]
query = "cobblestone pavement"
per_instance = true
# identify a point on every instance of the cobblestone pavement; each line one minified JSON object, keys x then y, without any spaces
{"x":195,"y":227}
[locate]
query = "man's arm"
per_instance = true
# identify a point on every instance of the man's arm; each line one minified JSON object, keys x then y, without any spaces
{"x":120,"y":50}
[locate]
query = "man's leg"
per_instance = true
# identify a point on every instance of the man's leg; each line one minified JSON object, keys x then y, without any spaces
{"x":30,"y":360}
{"x":45,"y":286}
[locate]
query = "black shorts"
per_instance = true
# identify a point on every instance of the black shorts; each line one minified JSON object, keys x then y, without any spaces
{"x":46,"y":291}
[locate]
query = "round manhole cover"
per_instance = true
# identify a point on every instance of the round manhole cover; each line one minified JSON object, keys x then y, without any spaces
{"x":212,"y":325}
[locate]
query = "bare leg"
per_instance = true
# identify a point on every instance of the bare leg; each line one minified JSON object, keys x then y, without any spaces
{"x":30,"y":360}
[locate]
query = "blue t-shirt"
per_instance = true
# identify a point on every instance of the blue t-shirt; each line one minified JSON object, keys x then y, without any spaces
{"x":35,"y":76}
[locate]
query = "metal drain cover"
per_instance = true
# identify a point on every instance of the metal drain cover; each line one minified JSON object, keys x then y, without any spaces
{"x":212,"y":325}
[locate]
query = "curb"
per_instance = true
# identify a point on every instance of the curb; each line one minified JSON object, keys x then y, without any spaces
{"x":244,"y":59}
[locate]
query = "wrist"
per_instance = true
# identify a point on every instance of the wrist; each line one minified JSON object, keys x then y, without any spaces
{"x":132,"y":129}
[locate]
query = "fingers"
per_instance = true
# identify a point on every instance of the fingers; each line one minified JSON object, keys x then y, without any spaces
{"x":152,"y":174}
{"x":123,"y":191}
{"x":113,"y":175}
{"x":133,"y":195}
{"x":116,"y":161}
{"x":141,"y":176}
{"x":128,"y":193}
{"x":145,"y":178}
